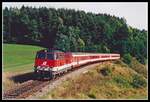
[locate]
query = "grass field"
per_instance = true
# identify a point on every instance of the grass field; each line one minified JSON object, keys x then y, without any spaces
{"x":18,"y":57}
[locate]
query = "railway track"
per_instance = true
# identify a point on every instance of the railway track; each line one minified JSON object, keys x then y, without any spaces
{"x":25,"y":89}
{"x":28,"y":88}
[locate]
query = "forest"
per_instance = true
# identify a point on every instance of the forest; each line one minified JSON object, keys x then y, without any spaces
{"x":73,"y":30}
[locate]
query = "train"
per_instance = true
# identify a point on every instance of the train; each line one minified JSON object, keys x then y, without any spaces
{"x":49,"y":62}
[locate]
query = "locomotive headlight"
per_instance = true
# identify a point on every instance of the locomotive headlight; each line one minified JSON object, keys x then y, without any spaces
{"x":38,"y":67}
{"x":46,"y":69}
{"x":43,"y":68}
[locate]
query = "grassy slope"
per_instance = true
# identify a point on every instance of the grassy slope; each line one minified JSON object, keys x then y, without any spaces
{"x":18,"y":57}
{"x":94,"y":85}
{"x":138,"y":67}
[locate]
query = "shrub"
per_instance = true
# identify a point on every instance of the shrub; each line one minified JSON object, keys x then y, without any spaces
{"x":106,"y":71}
{"x":138,"y":81}
{"x":121,"y":81}
{"x":127,"y":58}
{"x":91,"y":96}
{"x":138,"y":67}
{"x":119,"y":62}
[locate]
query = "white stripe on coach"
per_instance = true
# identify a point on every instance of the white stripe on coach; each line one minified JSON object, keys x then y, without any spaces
{"x":80,"y":62}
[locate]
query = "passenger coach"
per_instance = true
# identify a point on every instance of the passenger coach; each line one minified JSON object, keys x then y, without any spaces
{"x":49,"y":63}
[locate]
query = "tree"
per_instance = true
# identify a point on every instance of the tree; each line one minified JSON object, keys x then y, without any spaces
{"x":71,"y":30}
{"x":81,"y":44}
{"x":127,"y":58}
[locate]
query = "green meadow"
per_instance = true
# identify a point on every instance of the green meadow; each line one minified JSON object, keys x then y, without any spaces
{"x":18,"y":57}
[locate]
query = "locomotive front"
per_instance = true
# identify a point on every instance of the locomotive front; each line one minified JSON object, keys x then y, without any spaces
{"x":44,"y":62}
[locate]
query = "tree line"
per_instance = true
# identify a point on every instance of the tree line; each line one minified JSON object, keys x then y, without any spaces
{"x":73,"y":30}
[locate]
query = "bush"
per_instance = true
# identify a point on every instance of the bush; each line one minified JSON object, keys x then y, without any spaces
{"x":127,"y":58}
{"x":138,"y":67}
{"x":121,"y":81}
{"x":119,"y":62}
{"x":138,"y":81}
{"x":106,"y":71}
{"x":91,"y":96}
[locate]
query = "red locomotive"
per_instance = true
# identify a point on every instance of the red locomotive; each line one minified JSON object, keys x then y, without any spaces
{"x":53,"y":62}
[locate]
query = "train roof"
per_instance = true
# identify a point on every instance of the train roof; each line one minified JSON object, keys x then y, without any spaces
{"x":76,"y":53}
{"x":50,"y":50}
{"x":91,"y":54}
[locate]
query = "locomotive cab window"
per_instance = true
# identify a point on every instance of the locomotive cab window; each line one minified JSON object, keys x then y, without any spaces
{"x":50,"y":56}
{"x":60,"y":56}
{"x":41,"y":55}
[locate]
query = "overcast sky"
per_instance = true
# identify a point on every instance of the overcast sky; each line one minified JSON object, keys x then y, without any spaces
{"x":135,"y":13}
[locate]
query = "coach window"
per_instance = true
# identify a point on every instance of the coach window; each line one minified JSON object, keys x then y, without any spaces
{"x":61,"y":56}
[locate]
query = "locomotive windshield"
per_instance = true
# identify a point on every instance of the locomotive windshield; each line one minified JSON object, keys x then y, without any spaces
{"x":45,"y":56}
{"x":41,"y":55}
{"x":50,"y":56}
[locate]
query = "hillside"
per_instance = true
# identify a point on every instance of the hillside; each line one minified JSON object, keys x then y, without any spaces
{"x":107,"y":81}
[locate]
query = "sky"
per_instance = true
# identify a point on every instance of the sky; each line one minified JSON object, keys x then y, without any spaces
{"x":135,"y":13}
